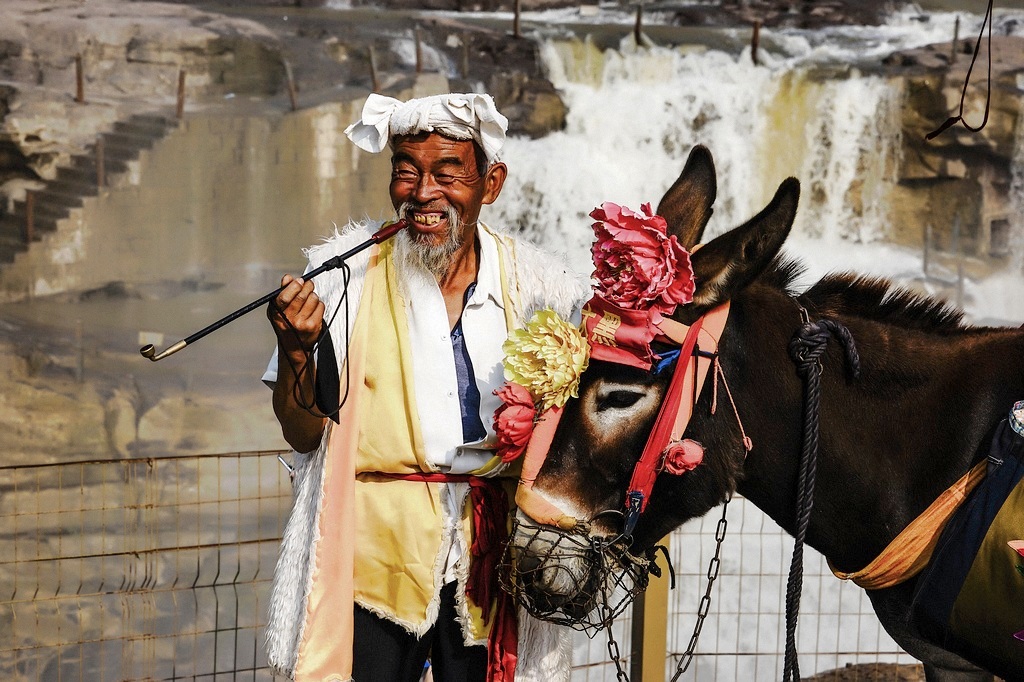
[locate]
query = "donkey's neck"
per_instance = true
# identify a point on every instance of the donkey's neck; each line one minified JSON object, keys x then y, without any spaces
{"x":889,"y":442}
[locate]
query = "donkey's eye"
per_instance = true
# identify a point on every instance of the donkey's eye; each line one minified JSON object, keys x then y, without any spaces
{"x":617,"y":399}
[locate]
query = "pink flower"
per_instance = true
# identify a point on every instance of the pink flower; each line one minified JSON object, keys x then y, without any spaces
{"x":637,"y":264}
{"x":683,"y":456}
{"x":513,"y":421}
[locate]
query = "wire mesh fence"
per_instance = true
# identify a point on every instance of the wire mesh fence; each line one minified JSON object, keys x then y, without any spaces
{"x":160,"y":568}
{"x":154,"y":569}
{"x":744,"y":635}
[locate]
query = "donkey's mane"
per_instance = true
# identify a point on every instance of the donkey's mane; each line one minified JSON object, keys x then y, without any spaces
{"x":875,"y":298}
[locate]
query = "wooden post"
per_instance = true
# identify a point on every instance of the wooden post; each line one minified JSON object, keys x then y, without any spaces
{"x":80,"y":352}
{"x":419,"y":49}
{"x":517,"y":31}
{"x":101,"y":173}
{"x":79,"y":80}
{"x":638,"y":25}
{"x":291,"y":84}
{"x":957,"y":253}
{"x":373,"y":70}
{"x":30,"y":210}
{"x":959,"y":281}
{"x":755,"y":40}
{"x":180,"y":110}
{"x":650,"y":630}
{"x":465,"y":54}
{"x":927,"y":249}
{"x":956,"y":40}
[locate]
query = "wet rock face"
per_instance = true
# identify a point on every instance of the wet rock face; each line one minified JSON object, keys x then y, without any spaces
{"x":511,"y":69}
{"x":962,"y":176}
{"x":787,"y":13}
{"x":133,"y":53}
{"x":75,"y":68}
{"x":533,"y":106}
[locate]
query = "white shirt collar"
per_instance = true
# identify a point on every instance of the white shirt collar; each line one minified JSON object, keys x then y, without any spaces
{"x":488,"y":279}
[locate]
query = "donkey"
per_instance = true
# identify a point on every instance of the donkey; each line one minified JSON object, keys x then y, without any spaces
{"x":930,"y":390}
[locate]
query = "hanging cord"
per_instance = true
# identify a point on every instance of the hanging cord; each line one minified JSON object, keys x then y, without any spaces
{"x":952,"y":121}
{"x":748,"y":444}
{"x":300,"y":373}
{"x":807,"y":347}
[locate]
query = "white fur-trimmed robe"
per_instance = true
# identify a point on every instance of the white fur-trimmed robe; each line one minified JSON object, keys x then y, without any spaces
{"x":537,"y":280}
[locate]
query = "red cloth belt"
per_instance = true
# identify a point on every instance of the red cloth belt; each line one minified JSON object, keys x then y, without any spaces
{"x":490,"y":535}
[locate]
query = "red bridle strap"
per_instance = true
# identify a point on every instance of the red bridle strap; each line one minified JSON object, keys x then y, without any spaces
{"x":698,"y":344}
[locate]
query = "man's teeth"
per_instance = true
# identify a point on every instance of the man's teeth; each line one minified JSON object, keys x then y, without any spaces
{"x":421,"y":219}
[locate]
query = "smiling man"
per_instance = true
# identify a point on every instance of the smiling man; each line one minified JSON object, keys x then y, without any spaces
{"x":382,"y":565}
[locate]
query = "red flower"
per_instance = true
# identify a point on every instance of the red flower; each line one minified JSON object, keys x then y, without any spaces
{"x":513,"y":421}
{"x":637,"y":264}
{"x":683,"y":456}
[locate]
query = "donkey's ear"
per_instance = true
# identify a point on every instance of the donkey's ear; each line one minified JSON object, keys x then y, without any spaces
{"x":686,"y":205}
{"x":731,"y":261}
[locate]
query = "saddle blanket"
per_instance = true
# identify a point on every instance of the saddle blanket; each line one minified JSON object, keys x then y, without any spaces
{"x":970,"y":597}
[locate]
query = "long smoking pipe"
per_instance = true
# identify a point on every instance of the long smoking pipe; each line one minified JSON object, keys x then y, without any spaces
{"x":383,"y":234}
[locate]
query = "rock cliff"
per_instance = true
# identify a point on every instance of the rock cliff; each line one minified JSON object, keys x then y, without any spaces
{"x":70,"y":69}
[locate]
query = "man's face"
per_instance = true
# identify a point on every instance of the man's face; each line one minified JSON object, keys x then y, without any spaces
{"x":433,"y":176}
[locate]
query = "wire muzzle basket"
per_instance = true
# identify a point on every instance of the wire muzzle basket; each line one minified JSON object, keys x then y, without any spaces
{"x":572,"y":578}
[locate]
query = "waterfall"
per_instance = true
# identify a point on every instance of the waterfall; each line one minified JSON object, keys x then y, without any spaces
{"x":806,"y":110}
{"x":634,"y":114}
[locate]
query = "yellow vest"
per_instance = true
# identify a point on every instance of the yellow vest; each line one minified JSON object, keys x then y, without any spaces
{"x":398,"y":523}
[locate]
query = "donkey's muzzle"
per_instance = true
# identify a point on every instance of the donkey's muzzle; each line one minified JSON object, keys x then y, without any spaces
{"x":570,"y":578}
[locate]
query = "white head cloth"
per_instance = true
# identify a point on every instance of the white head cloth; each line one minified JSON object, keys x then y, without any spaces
{"x":469,"y":116}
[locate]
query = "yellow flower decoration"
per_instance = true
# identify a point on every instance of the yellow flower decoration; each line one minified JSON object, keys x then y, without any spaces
{"x":547,"y":357}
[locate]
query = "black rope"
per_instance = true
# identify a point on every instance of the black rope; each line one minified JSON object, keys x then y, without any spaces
{"x":807,"y":346}
{"x":307,"y":366}
{"x":959,"y":118}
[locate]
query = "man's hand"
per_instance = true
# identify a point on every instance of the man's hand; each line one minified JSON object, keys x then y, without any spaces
{"x":304,"y":311}
{"x":297,"y":315}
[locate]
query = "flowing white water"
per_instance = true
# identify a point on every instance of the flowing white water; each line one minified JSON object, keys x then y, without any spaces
{"x":634,"y":114}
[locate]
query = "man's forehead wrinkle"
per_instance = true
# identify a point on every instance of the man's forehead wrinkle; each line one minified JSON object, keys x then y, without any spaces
{"x":446,"y":160}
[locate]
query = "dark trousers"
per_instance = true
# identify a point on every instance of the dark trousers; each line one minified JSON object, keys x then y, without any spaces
{"x":386,"y":652}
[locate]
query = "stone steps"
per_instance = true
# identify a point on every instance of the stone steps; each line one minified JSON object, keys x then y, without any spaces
{"x":79,"y":180}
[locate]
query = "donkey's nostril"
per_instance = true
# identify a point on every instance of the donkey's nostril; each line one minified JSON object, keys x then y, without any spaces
{"x":526,"y":563}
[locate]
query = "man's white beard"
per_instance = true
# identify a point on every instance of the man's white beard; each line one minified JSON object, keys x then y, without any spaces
{"x":414,"y":249}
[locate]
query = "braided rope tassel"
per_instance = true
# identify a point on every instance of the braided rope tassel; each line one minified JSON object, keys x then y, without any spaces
{"x":806,"y":348}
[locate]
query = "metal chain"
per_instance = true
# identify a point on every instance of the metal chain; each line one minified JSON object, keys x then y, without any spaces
{"x":607,"y":616}
{"x":702,"y":610}
{"x":705,"y":602}
{"x":613,"y":651}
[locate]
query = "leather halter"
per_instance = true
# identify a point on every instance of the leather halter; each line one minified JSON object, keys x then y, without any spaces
{"x":700,"y":341}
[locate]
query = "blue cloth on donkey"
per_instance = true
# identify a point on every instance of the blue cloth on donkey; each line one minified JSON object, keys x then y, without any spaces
{"x":970,"y":598}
